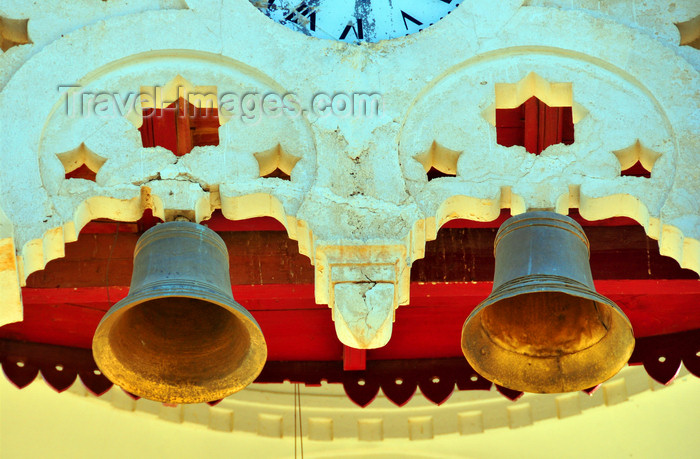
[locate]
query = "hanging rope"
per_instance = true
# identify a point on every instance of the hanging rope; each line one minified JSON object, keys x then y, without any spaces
{"x":297,"y":419}
{"x":301,"y":428}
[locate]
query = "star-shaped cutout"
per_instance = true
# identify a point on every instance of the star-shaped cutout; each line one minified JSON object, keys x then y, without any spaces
{"x":276,"y":160}
{"x":690,"y":32}
{"x":513,"y":95}
{"x":81,"y":162}
{"x":636,"y":153}
{"x":13,"y":32}
{"x":439,"y":158}
{"x":178,"y":116}
{"x":159,"y":97}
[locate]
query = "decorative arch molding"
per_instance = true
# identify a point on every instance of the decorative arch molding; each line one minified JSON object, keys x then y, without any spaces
{"x":672,"y":242}
{"x":38,"y":252}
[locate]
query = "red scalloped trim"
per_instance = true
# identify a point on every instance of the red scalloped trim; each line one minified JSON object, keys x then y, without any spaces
{"x":397,"y":379}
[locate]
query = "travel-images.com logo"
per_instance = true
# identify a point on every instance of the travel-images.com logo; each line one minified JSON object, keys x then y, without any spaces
{"x":248,"y":107}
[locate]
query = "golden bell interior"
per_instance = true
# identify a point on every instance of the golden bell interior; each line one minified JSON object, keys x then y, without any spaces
{"x":547,"y":342}
{"x":545,"y":324}
{"x":180,"y":341}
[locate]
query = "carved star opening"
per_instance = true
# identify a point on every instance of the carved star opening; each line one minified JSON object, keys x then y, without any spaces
{"x":690,"y":32}
{"x":81,"y":162}
{"x":179,"y":116}
{"x":636,"y":160}
{"x":13,"y":32}
{"x":439,"y":161}
{"x":276,"y":162}
{"x":534,"y":113}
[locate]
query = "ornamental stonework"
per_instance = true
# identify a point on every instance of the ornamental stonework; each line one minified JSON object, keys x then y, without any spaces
{"x":336,"y":141}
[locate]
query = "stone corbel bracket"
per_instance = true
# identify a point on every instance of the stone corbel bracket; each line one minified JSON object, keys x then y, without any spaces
{"x":363,"y":284}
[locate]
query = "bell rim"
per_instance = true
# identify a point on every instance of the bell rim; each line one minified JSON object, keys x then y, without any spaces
{"x":539,"y":375}
{"x":609,"y":366}
{"x":182,"y":394}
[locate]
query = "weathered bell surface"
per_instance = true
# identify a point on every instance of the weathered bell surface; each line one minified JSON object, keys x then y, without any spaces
{"x":179,"y":336}
{"x":544,"y":328}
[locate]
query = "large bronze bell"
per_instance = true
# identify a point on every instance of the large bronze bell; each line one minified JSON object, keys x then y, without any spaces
{"x":544,"y":328}
{"x":179,"y":336}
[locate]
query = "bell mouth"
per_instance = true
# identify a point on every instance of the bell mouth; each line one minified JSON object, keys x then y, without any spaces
{"x":179,"y":349}
{"x":547,"y":341}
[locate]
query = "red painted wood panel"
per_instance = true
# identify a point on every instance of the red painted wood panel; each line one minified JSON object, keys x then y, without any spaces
{"x":159,"y":128}
{"x":182,"y":128}
{"x":270,"y":257}
{"x":219,"y":223}
{"x":636,"y":170}
{"x":64,"y":302}
{"x":179,"y":127}
{"x":82,"y":172}
{"x":204,"y":125}
{"x":534,"y":125}
{"x":354,"y":359}
{"x":280,"y":174}
{"x":296,"y":328}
